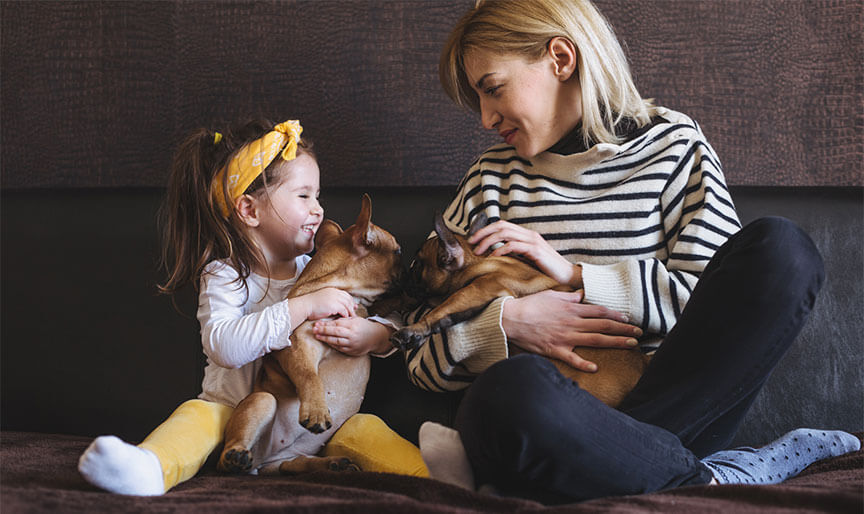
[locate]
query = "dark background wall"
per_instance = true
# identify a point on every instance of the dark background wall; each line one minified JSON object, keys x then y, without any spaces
{"x":96,"y":94}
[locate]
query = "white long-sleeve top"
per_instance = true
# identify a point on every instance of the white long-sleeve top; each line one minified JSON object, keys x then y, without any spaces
{"x":238,"y":327}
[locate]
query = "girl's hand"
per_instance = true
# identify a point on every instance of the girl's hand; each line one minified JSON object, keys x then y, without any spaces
{"x":321,"y":304}
{"x":553,"y":323}
{"x":529,"y":244}
{"x":354,"y":336}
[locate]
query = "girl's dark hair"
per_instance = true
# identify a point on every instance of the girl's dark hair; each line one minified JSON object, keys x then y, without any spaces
{"x":194,"y":231}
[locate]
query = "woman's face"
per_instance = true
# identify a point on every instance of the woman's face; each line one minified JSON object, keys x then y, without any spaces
{"x":529,"y":104}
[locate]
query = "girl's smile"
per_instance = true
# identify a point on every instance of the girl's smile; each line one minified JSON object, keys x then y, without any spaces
{"x":289,"y":215}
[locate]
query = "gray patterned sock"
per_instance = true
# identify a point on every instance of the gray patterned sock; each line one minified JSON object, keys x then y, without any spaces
{"x":782,"y":459}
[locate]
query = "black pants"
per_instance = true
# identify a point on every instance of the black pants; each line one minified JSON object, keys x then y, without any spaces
{"x":533,"y":433}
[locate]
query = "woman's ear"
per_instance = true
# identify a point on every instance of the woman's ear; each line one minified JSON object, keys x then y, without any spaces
{"x":563,"y":54}
{"x":247,"y":210}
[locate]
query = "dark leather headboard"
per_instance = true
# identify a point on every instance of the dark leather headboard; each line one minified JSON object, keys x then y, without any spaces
{"x":96,"y":94}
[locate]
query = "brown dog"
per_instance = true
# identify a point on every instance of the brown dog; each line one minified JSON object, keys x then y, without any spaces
{"x":447,"y":268}
{"x":297,"y":384}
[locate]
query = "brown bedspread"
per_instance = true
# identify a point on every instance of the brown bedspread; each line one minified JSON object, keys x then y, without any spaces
{"x":38,"y":474}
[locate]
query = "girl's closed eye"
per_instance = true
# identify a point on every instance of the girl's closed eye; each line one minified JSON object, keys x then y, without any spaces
{"x":492,"y":91}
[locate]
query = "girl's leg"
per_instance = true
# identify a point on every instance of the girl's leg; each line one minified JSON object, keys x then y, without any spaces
{"x":171,"y":454}
{"x":746,"y":310}
{"x":530,"y":432}
{"x":374,"y":446}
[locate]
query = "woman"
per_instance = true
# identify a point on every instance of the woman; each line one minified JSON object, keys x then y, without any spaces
{"x":605,"y":192}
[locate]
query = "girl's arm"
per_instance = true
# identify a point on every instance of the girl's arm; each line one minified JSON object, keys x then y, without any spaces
{"x":358,"y":336}
{"x":232,"y":337}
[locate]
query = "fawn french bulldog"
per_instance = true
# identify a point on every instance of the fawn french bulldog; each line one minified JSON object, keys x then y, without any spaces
{"x":447,"y":268}
{"x":308,"y":384}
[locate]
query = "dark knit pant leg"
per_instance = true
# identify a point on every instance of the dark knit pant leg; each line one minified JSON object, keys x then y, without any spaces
{"x":750,"y":303}
{"x":532,"y":433}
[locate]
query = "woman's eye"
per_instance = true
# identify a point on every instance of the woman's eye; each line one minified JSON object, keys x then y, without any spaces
{"x":492,"y":90}
{"x":304,"y":196}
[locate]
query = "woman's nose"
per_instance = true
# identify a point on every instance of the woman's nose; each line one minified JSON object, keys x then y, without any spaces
{"x":489,"y":117}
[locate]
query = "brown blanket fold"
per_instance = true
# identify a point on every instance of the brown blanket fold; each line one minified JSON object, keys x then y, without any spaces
{"x":38,"y":474}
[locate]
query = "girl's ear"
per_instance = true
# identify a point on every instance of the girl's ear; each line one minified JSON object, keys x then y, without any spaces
{"x":247,"y":210}
{"x":563,"y":54}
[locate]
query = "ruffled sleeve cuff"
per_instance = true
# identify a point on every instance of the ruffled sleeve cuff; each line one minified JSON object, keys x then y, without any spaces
{"x":280,"y":327}
{"x":393,"y":322}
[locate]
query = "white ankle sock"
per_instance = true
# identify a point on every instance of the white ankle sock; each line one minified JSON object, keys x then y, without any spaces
{"x":121,"y":468}
{"x":445,"y":456}
{"x":782,"y":459}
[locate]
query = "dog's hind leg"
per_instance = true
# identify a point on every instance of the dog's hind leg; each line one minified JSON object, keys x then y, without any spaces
{"x":303,"y":464}
{"x":244,"y":428}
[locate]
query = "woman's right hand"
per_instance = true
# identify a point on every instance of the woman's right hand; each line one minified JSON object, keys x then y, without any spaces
{"x":552,"y":323}
{"x":323,"y":303}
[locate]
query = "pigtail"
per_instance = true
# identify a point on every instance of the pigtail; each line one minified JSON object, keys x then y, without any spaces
{"x":194,"y":231}
{"x":190,"y":231}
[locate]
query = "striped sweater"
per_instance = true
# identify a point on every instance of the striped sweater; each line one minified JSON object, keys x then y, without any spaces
{"x":642,"y":218}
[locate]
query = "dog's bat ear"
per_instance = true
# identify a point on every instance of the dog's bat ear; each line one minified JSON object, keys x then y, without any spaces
{"x":450,"y":254}
{"x":479,"y":221}
{"x":363,"y":233}
{"x":328,"y":231}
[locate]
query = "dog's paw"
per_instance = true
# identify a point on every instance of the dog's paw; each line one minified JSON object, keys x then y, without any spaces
{"x":316,"y":427}
{"x":342,"y":464}
{"x":315,"y":420}
{"x":235,"y":460}
{"x":406,"y":339}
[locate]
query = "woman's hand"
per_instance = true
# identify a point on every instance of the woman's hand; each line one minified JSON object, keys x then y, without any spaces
{"x":553,"y":323}
{"x":529,"y":244}
{"x":323,"y":303}
{"x":354,"y":336}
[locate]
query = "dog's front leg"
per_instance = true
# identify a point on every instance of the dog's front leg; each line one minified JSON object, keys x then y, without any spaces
{"x":462,"y":305}
{"x":300,"y":363}
{"x":244,"y":428}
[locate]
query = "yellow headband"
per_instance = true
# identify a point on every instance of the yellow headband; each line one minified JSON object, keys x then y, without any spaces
{"x":253,"y":159}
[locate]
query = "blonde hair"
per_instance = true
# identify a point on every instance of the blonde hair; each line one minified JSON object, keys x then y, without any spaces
{"x":525,"y":27}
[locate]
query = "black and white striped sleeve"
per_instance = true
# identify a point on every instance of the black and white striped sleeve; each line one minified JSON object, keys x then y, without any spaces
{"x":698,"y":216}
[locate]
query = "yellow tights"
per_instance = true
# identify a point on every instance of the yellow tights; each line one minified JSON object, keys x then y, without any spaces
{"x":185,"y":440}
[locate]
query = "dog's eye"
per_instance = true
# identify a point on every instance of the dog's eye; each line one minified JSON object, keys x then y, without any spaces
{"x":398,"y":251}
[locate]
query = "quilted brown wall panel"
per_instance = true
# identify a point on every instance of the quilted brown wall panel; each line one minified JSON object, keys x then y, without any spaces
{"x":96,"y":94}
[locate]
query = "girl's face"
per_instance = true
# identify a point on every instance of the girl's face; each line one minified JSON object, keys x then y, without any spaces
{"x":527,"y":103}
{"x":289,"y":216}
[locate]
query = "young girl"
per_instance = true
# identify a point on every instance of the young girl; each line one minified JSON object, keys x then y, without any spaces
{"x":240,"y":216}
{"x":625,"y":202}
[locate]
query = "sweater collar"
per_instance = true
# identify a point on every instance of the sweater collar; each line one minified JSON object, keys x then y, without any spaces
{"x":573,"y":142}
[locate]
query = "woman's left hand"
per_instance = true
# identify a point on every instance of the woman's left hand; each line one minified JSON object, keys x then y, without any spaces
{"x":353,"y":336}
{"x":530,"y":245}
